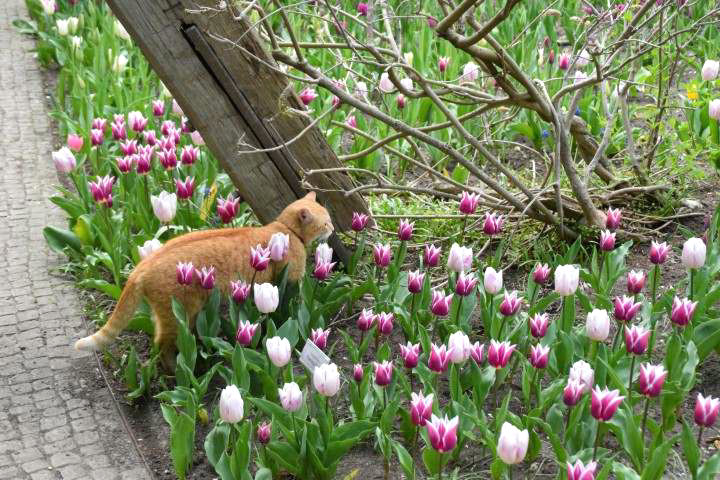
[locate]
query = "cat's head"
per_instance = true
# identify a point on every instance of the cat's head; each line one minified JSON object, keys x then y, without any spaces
{"x":307,"y":218}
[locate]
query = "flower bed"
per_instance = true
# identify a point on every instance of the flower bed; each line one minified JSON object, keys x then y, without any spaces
{"x":380,"y":354}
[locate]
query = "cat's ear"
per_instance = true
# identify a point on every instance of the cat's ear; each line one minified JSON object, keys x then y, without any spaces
{"x":311,"y":196}
{"x":305,"y":216}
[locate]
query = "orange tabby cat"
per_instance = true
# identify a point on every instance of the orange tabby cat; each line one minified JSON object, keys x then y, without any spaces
{"x":228,"y":250}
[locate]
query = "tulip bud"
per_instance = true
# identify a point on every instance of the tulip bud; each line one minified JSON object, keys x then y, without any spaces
{"x":710,"y":70}
{"x":96,"y":137}
{"x":539,"y":356}
{"x":512,"y":444}
{"x":636,"y":339}
{"x":385,"y":322}
{"x":440,"y":304}
{"x":493,"y":224}
{"x":598,"y":325}
{"x":420,"y":408}
{"x":410,"y":354}
{"x":279,"y":350}
{"x":405,"y":230}
{"x":439,"y":358}
{"x":659,"y":252}
{"x":442,"y":433}
{"x":607,"y":240}
{"x":240,"y":291}
{"x":149,"y":247}
{"x":541,"y":274}
{"x":582,"y":372}
{"x":682,"y":311}
{"x":499,"y":353}
{"x":185,"y":273}
{"x":290,"y":397}
{"x":564,"y":61}
{"x":706,"y":410}
{"x":477,"y":352}
{"x":64,"y":160}
{"x":279,"y":245}
{"x":469,"y":203}
{"x":307,"y":96}
{"x":635,"y":282}
{"x":539,"y":324}
{"x":492,"y":281}
{"x":382,"y":255}
{"x":75,"y":142}
{"x":359,"y":221}
{"x":694,"y":253}
{"x":366,"y":319}
{"x":363,"y":9}
{"x":326,"y":379}
{"x":385,"y":85}
{"x":651,"y":380}
{"x":358,"y":373}
{"x":460,"y":258}
{"x":443,"y":63}
{"x":320,"y":337}
{"x":206,"y":277}
{"x":245,"y":333}
{"x":383,"y":373}
{"x":266,"y":297}
{"x":604,"y":403}
{"x":510,"y":304}
{"x":164,"y":206}
{"x":231,"y":405}
{"x":465,"y":285}
{"x":572,"y":393}
{"x":264,"y":432}
{"x":625,"y":309}
{"x":102,"y":190}
{"x":227,"y":208}
{"x":613,"y":218}
{"x":137,"y":121}
{"x":323,"y":253}
{"x":189,"y":154}
{"x":714,"y":109}
{"x":567,"y":278}
{"x":259,"y":258}
{"x":185,"y":188}
{"x":431,"y":257}
{"x":158,"y":107}
{"x":415,"y":281}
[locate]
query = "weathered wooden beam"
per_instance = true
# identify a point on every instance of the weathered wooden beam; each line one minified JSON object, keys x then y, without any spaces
{"x":231,"y":98}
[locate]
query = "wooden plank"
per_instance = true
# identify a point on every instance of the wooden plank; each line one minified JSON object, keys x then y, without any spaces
{"x":229,"y":96}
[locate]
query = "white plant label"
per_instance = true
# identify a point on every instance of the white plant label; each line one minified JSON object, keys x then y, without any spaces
{"x":311,"y":356}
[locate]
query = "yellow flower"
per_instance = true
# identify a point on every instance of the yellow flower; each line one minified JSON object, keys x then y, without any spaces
{"x":692,"y":94}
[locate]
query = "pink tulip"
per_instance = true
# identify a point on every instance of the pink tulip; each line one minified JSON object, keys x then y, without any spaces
{"x":125,"y":164}
{"x":129,"y":147}
{"x":405,"y":230}
{"x":682,"y":311}
{"x":383,"y":373}
{"x":539,"y":356}
{"x":227,"y":208}
{"x":246,"y":332}
{"x":385,"y":322}
{"x":431,"y":257}
{"x":189,"y":155}
{"x":240,"y":291}
{"x":440,"y":303}
{"x":358,"y":373}
{"x":75,"y":142}
{"x":410,"y":354}
{"x":323,"y":270}
{"x":64,"y":160}
{"x":625,"y":309}
{"x":102,"y":190}
{"x":572,"y":393}
{"x":564,"y":61}
{"x":185,"y":273}
{"x":551,"y":57}
{"x":362,"y":9}
{"x":659,"y":252}
{"x":118,"y":131}
{"x":706,"y":410}
{"x":259,"y":258}
{"x":432,"y":22}
{"x":579,"y":471}
{"x":420,"y":408}
{"x":465,"y":284}
{"x":493,"y":224}
{"x":166,"y":127}
{"x":651,"y":380}
{"x":366,"y":319}
{"x":499,"y":353}
{"x":582,"y":372}
{"x":382,"y":255}
{"x":477,"y":352}
{"x":176,"y":109}
{"x":143,"y":162}
{"x":541,"y":274}
{"x":469,"y":203}
{"x":359,"y":221}
{"x":415,"y":281}
{"x":604,"y":403}
{"x":539,"y":324}
{"x":137,"y":121}
{"x":167,"y":158}
{"x":510,"y":304}
{"x":442,"y":433}
{"x":158,"y":107}
{"x":607,"y":240}
{"x":99,"y":124}
{"x":351,"y":121}
{"x":264,"y":432}
{"x":439,"y":358}
{"x":185,"y":188}
{"x":613,"y":218}
{"x":635,"y":282}
{"x":636,"y":339}
{"x":184,"y":125}
{"x":307,"y":96}
{"x":206,"y":277}
{"x":443,"y":63}
{"x":96,"y":137}
{"x":290,"y":397}
{"x":150,"y":137}
{"x":320,"y":337}
{"x":197,"y":138}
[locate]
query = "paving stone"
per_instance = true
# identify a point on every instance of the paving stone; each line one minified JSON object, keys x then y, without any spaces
{"x":56,"y":421}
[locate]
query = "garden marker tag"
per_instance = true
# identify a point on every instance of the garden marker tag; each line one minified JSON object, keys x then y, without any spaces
{"x":311,"y":356}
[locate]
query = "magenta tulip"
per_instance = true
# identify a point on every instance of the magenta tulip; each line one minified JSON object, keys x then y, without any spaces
{"x":410,"y":354}
{"x":468,"y":202}
{"x":604,"y":403}
{"x":185,"y":273}
{"x":635,"y":282}
{"x":539,"y":324}
{"x":227,"y":208}
{"x":415,"y":281}
{"x":385,"y":322}
{"x":659,"y":252}
{"x":420,"y":408}
{"x":510,"y":304}
{"x":382,"y":255}
{"x":320,"y":337}
{"x":539,"y":356}
{"x":439,"y":358}
{"x":651,"y":380}
{"x":259,"y":258}
{"x":572,"y":393}
{"x":636,"y":339}
{"x":405,"y":230}
{"x":493,"y":224}
{"x":442,"y":433}
{"x":682,"y":311}
{"x":607,"y":240}
{"x":706,"y":410}
{"x":465,"y":284}
{"x":185,"y":188}
{"x":246,"y":332}
{"x":366,"y":319}
{"x":440,"y":303}
{"x":580,"y":471}
{"x":359,"y":221}
{"x":499,"y":353}
{"x":206,"y":277}
{"x":625,"y":308}
{"x":541,"y":274}
{"x":383,"y":373}
{"x":240,"y":291}
{"x":431,"y":257}
{"x":613,"y":218}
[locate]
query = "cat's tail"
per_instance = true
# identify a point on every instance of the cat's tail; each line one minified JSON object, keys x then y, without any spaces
{"x":121,"y":316}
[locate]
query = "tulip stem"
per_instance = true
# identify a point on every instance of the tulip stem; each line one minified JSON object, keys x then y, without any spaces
{"x":632,"y":368}
{"x":699,"y":439}
{"x":502,"y":326}
{"x":510,"y":472}
{"x":653,"y":320}
{"x":692,"y":271}
{"x":457,"y":317}
{"x":462,"y":234}
{"x":567,"y":425}
{"x":597,"y":441}
{"x":617,"y":335}
{"x":536,"y":383}
{"x":413,"y":324}
{"x":440,"y":466}
{"x":645,"y":412}
{"x":297,"y":443}
{"x":490,"y":314}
